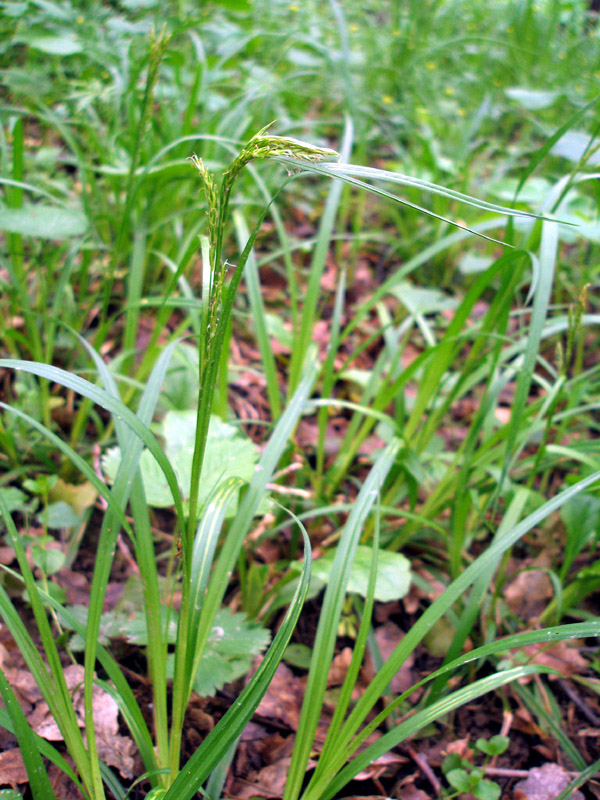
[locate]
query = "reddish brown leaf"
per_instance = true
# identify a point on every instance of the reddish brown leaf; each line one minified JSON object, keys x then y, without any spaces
{"x":528,"y":594}
{"x":388,"y":637}
{"x":283,"y":699}
{"x":12,"y":768}
{"x":339,"y":667}
{"x":560,"y":656}
{"x":63,"y":785}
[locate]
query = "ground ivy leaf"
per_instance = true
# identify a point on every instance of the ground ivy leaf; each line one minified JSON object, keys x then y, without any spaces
{"x":228,"y":454}
{"x":232,"y":644}
{"x":393,"y":573}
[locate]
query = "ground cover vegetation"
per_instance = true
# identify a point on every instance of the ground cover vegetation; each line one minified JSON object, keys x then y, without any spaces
{"x":299,"y":392}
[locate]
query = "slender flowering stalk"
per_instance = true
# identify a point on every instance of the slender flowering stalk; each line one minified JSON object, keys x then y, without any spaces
{"x":261,"y":146}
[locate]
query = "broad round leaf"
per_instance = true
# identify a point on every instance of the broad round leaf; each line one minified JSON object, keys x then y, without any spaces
{"x":393,"y":573}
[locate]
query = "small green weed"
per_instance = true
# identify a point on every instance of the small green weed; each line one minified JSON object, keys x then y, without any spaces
{"x":466,"y":778}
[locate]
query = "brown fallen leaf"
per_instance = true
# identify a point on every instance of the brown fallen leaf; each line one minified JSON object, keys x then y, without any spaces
{"x":502,"y":414}
{"x":564,"y":659}
{"x":268,"y":782}
{"x":75,"y":584}
{"x":461,"y":748}
{"x":339,"y":667}
{"x":117,"y":751}
{"x":388,"y":636}
{"x":528,"y":594}
{"x":24,"y":686}
{"x":544,"y":783}
{"x":367,"y":797}
{"x":411,"y":792}
{"x":12,"y":768}
{"x":62,"y":784}
{"x":377,"y":769}
{"x":283,"y":698}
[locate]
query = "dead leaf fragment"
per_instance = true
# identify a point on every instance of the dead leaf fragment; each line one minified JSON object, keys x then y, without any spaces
{"x":339,"y":667}
{"x":544,"y":783}
{"x":368,"y":797}
{"x":115,"y":750}
{"x":381,"y":766}
{"x":62,"y":784}
{"x":12,"y":768}
{"x":564,"y":659}
{"x":412,"y":793}
{"x":388,"y":637}
{"x":268,"y":782}
{"x":283,"y":698}
{"x":528,"y":594}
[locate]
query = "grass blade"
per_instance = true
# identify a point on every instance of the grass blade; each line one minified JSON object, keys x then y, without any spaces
{"x":548,"y":254}
{"x":52,"y":685}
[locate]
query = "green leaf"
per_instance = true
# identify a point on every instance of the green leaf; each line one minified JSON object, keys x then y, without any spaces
{"x":452,"y":761}
{"x":486,"y":790}
{"x":393,"y":573}
{"x":494,"y":746}
{"x":419,"y":300}
{"x":232,"y":644}
{"x":59,"y":515}
{"x":48,"y":559}
{"x":181,"y":385}
{"x":459,"y":780}
{"x":43,"y":221}
{"x":14,"y":499}
{"x":277,"y":330}
{"x":298,"y":655}
{"x":534,"y":192}
{"x":228,"y":454}
{"x":582,"y":516}
{"x":80,"y":613}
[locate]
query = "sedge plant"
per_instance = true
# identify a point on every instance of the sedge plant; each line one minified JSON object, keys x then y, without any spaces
{"x":207,"y":561}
